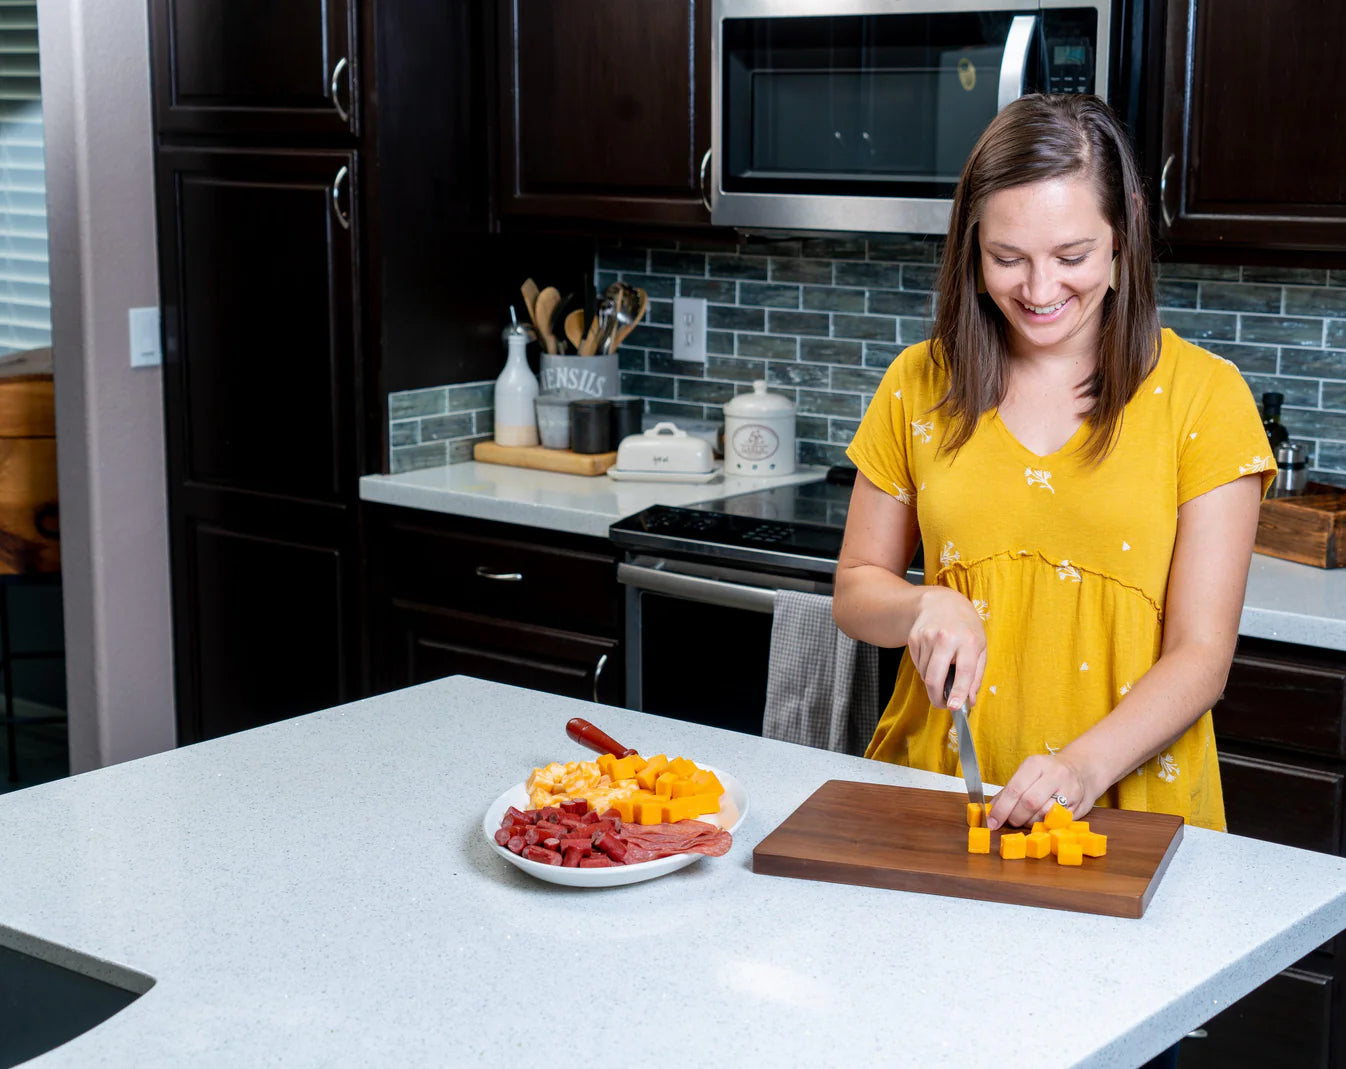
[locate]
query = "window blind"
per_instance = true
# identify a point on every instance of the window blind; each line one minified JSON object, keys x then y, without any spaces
{"x":25,"y":299}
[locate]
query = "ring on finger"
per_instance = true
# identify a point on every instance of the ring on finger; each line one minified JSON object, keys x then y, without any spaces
{"x":1060,"y":799}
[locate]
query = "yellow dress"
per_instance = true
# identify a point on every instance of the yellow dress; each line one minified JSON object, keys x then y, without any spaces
{"x":1067,"y":564}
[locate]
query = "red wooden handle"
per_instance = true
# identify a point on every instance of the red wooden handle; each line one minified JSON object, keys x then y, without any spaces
{"x":589,"y":736}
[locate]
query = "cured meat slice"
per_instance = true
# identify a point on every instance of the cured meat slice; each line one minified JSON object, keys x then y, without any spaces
{"x":650,"y":841}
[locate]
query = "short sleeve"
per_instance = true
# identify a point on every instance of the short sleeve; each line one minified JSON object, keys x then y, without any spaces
{"x":880,"y":448}
{"x":1223,"y":438}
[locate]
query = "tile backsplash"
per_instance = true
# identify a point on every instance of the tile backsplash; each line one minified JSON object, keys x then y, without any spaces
{"x":821,"y":318}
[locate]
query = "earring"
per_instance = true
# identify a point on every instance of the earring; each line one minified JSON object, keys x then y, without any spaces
{"x":1115,"y":278}
{"x":981,"y":279}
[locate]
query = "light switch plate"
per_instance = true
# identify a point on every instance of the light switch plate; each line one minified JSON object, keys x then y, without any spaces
{"x":143,"y":330}
{"x":689,"y":329}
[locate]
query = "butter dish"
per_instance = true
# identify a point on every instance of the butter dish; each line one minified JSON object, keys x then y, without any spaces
{"x":663,"y":450}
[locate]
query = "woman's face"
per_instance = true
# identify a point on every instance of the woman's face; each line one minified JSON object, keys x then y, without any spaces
{"x":1046,"y":256}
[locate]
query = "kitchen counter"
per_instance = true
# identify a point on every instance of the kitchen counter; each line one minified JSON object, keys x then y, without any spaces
{"x":319,"y":892}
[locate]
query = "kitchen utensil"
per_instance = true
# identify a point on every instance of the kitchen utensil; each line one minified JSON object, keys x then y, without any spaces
{"x":759,"y":433}
{"x":605,"y":323}
{"x":665,"y":447}
{"x":589,"y":345}
{"x":590,"y":425}
{"x":1292,"y":469}
{"x":593,"y":738}
{"x":910,"y":839}
{"x":558,"y":322}
{"x":529,"y":291}
{"x":574,"y":327}
{"x":553,"y":420}
{"x":539,"y":458}
{"x":967,"y":752}
{"x":543,"y":310}
{"x":641,"y":303}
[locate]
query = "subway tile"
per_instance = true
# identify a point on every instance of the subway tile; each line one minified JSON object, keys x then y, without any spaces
{"x":647,"y":386}
{"x":661,"y":287}
{"x":768,"y":346}
{"x":841,"y":431}
{"x":604,"y":279}
{"x":1240,"y":297}
{"x":768,"y":295}
{"x":815,"y":427}
{"x":1280,"y":330}
{"x":471,"y":396}
{"x":1336,"y":334}
{"x":816,"y":454}
{"x":736,"y":370}
{"x":810,"y":376}
{"x":869,"y":275}
{"x":483,"y":423}
{"x":629,"y":359}
{"x":798,"y":323}
{"x":1332,"y":458}
{"x":1260,"y":359}
{"x":814,"y":272}
{"x":622,"y":258}
{"x":677,"y":263}
{"x":1336,"y":278}
{"x":919,"y":277}
{"x":461,"y":451}
{"x":1303,"y":301}
{"x":416,"y":457}
{"x":1334,"y":395}
{"x":404,"y":432}
{"x":871,"y":328}
{"x":664,"y":364}
{"x":830,"y":299}
{"x":720,"y":341}
{"x":752,"y":267}
{"x":409,"y":404}
{"x":440,"y":428}
{"x":1302,"y":392}
{"x":757,"y":245}
{"x":1319,"y":363}
{"x":880,"y":356}
{"x":723,"y":244}
{"x":1289,"y":276}
{"x":825,"y":403}
{"x":899,"y":303}
{"x":704,"y":392}
{"x":1200,"y":327}
{"x":1323,"y":475}
{"x":858,"y":380}
{"x":834,"y":248}
{"x":1172,"y":293}
{"x":830,"y":351}
{"x":674,"y":410}
{"x":712,"y":289}
{"x":1212,"y":272}
{"x":1312,"y":423}
{"x":659,"y":314}
{"x":720,"y":317}
{"x":910,"y":330}
{"x":916,"y":248}
{"x":648,"y":336}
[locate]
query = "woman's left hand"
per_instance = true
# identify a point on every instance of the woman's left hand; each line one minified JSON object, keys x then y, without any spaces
{"x":1039,"y":781}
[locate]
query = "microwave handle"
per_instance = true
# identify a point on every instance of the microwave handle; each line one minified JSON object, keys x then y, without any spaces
{"x":1017,"y":43}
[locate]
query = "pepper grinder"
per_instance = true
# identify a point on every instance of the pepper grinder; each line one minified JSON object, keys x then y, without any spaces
{"x":516,"y":388}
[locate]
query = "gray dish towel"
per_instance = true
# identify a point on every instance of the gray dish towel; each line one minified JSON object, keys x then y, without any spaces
{"x":822,"y":686}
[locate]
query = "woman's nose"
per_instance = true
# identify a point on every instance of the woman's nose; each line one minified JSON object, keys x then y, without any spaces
{"x":1040,"y":286}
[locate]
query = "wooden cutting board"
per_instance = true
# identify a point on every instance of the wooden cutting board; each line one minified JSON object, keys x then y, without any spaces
{"x":541,"y":458}
{"x":907,"y":839}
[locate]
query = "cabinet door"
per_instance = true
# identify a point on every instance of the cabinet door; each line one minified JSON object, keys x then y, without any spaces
{"x":605,"y":109}
{"x":1252,"y":153}
{"x":236,"y":66}
{"x":1285,"y":1022}
{"x":257,"y":276}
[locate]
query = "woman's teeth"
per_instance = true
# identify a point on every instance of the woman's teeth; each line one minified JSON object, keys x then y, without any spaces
{"x":1046,"y":309}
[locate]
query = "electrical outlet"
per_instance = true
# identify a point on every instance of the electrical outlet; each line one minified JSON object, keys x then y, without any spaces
{"x":143,"y":329}
{"x":689,"y":329}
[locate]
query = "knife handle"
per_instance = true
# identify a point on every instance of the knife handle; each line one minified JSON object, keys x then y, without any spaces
{"x":592,"y":738}
{"x":948,"y":682}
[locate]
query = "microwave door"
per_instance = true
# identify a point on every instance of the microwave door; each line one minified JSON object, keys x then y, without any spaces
{"x":974,"y":84}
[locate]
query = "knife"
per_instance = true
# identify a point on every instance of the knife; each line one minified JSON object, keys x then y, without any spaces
{"x":967,"y":753}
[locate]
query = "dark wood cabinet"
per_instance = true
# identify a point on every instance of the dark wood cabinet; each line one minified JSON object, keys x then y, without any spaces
{"x":518,"y":605}
{"x":1251,"y":153}
{"x":256,"y":66}
{"x":605,"y":109}
{"x":1278,"y":727}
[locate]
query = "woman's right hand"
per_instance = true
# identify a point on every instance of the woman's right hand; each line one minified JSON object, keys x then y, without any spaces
{"x":948,"y":631}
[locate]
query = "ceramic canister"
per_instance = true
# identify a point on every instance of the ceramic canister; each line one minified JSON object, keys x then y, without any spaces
{"x":759,"y":433}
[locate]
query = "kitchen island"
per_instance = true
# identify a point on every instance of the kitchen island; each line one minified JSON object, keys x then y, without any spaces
{"x":320,"y":892}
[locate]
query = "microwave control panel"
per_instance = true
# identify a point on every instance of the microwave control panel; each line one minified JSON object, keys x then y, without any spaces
{"x":1070,"y":65}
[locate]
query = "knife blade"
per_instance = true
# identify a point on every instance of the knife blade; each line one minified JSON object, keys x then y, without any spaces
{"x":967,"y":754}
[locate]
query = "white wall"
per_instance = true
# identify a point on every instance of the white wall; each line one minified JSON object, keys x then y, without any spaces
{"x":109,"y":416}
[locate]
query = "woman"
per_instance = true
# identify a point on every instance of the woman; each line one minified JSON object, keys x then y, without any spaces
{"x":1085,"y":485}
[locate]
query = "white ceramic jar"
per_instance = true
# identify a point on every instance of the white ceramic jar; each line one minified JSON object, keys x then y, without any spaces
{"x":759,"y":433}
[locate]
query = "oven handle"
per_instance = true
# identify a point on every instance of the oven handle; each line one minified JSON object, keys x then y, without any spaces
{"x":1017,"y":43}
{"x":695,"y":588}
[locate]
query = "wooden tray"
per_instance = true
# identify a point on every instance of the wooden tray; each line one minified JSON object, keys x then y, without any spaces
{"x":541,"y":458}
{"x":1308,"y":528}
{"x":907,"y":839}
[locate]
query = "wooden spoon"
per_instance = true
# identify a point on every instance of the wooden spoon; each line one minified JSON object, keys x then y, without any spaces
{"x":591,"y":738}
{"x":543,"y":310}
{"x":589,"y":346}
{"x":529,"y":291}
{"x":575,"y":328}
{"x":641,"y":304}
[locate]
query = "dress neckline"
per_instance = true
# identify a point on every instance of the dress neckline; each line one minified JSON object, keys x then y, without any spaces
{"x":1069,"y":444}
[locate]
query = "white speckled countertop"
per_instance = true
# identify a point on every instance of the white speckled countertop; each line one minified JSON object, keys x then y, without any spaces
{"x":1285,"y":601}
{"x":319,"y":892}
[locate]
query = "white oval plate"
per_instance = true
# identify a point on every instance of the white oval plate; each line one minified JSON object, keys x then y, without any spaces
{"x":733,"y":808}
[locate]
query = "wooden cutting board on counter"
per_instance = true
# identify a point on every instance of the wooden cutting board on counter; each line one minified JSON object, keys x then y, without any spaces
{"x":908,"y":839}
{"x":541,"y":458}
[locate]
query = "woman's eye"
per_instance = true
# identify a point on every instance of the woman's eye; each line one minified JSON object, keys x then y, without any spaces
{"x":1074,"y":261}
{"x":1004,"y":263}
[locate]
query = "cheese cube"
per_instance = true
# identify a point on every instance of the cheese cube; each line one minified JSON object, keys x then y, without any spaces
{"x":1039,"y":826}
{"x":650,"y":810}
{"x":626,"y":767}
{"x":1070,"y":853}
{"x":1079,"y":825}
{"x":702,"y":804}
{"x":974,"y":815}
{"x":1038,"y":844}
{"x":676,"y":809}
{"x":978,"y":840}
{"x":605,"y":764}
{"x":647,"y":775}
{"x":681,"y":766}
{"x":663,"y":783}
{"x":1013,"y":847}
{"x":1094,"y":844}
{"x":1058,"y":816}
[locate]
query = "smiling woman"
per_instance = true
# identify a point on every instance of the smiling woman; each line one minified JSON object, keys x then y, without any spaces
{"x":1087,"y":484}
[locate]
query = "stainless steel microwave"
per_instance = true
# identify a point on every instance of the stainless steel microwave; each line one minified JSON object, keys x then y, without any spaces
{"x":856,"y":116}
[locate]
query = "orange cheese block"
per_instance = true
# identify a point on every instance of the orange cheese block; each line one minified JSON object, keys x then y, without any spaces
{"x":626,"y":807}
{"x":1094,"y":844}
{"x":647,"y":775}
{"x":703,"y":804}
{"x":1038,"y":844}
{"x":1013,"y":847}
{"x":978,"y":840}
{"x":626,"y":767}
{"x":650,"y":810}
{"x":681,"y":766}
{"x":1039,"y":826}
{"x":1058,"y":816}
{"x":974,"y":815}
{"x":605,"y":764}
{"x":676,"y":809}
{"x":663,"y":783}
{"x":1069,"y":853}
{"x":1079,"y":825}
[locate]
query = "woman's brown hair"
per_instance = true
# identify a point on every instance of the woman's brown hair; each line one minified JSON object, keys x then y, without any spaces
{"x":1035,"y":138}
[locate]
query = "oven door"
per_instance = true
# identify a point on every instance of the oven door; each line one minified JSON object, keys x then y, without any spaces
{"x":848,"y":115}
{"x":698,"y":639}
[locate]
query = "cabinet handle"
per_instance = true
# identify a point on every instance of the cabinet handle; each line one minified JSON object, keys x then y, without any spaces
{"x":1197,"y":1033}
{"x":342,"y":217}
{"x":598,"y":671}
{"x":504,"y":577}
{"x":1163,"y":189}
{"x":332,"y":86}
{"x":705,"y":163}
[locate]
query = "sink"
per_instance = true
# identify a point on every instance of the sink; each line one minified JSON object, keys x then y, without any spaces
{"x":50,"y":994}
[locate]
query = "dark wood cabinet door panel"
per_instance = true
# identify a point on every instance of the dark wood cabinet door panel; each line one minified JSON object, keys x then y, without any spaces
{"x":1287,"y":1022}
{"x":605,"y":108}
{"x":267,"y":628}
{"x":244,"y":66}
{"x":1292,"y":804}
{"x":260,"y":319}
{"x":1252,"y":153}
{"x":1282,"y":699}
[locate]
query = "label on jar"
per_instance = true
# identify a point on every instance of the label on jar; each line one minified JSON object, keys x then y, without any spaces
{"x":755,"y":441}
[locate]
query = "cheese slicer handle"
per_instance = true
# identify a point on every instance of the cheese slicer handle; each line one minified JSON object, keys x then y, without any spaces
{"x":590,"y":737}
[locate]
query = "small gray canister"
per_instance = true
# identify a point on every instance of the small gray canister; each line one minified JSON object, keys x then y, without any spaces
{"x":1292,"y":469}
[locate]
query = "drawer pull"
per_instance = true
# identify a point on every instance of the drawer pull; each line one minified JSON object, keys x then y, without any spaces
{"x":1197,"y":1033}
{"x":598,"y":671}
{"x":503,"y":577}
{"x":332,"y":87}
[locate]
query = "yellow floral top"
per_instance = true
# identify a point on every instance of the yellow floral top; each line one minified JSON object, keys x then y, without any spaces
{"x":1067,"y":564}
